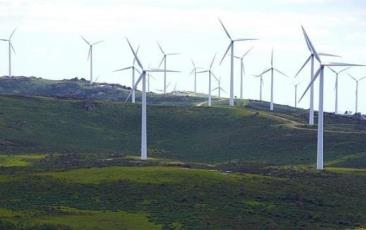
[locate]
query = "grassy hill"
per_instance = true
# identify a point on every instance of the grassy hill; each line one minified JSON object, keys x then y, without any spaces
{"x":199,"y":134}
{"x":73,"y":164}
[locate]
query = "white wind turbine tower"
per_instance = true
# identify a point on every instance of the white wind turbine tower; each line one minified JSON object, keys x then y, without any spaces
{"x":210,"y":74}
{"x":272,"y":69}
{"x":320,"y":73}
{"x":219,"y":88}
{"x":194,"y":71}
{"x":10,"y":49}
{"x":311,"y":59}
{"x":337,"y":73}
{"x":261,"y":83}
{"x":296,"y":85}
{"x":90,"y":55}
{"x":357,"y":81}
{"x":163,"y":60}
{"x":231,"y":48}
{"x":142,"y":79}
{"x":242,"y":71}
{"x":133,"y":71}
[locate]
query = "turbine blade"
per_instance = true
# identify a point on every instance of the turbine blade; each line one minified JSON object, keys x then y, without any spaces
{"x":331,"y":69}
{"x":162,"y":60}
{"x":311,"y":83}
{"x":5,"y":40}
{"x":345,"y":69}
{"x":227,"y":51}
{"x":86,"y":41}
{"x":248,"y":52}
{"x":12,"y":34}
{"x":342,"y":64}
{"x":173,"y":54}
{"x":134,"y":54}
{"x":134,"y":59}
{"x":362,"y":78}
{"x":310,"y":45}
{"x":96,"y":43}
{"x":119,"y":70}
{"x":135,"y":86}
{"x":272,"y":58}
{"x":194,"y":65}
{"x":303,"y":66}
{"x":278,"y":71}
{"x":352,"y":77}
{"x":89,"y":53}
{"x":162,"y":71}
{"x":205,"y":71}
{"x":226,"y":31}
{"x":328,"y":55}
{"x":245,"y":39}
{"x":161,"y":49}
{"x":215,"y":77}
{"x":264,"y":72}
{"x":12,"y":47}
{"x":213,"y":61}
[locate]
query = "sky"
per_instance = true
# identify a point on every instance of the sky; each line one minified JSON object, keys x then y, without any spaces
{"x":48,"y":43}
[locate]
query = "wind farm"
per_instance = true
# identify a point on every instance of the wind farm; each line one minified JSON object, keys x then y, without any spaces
{"x":140,"y":136}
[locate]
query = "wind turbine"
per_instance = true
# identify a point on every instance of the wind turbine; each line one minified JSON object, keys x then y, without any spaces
{"x":210,"y":74}
{"x":272,"y":69}
{"x":357,"y":81}
{"x":133,"y":70}
{"x":296,"y":85}
{"x":311,"y":59}
{"x":337,"y":73}
{"x":194,"y":71}
{"x":242,"y":70}
{"x":163,"y":60}
{"x":261,"y":83}
{"x":11,"y":48}
{"x":320,"y":73}
{"x":231,"y":48}
{"x":219,"y":88}
{"x":90,"y":55}
{"x":142,"y":79}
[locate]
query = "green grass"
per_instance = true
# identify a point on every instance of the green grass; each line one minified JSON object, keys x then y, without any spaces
{"x":19,"y":160}
{"x":146,"y":175}
{"x":100,"y":220}
{"x":347,"y":171}
{"x":115,"y":197}
{"x":207,"y":135}
{"x":210,"y":168}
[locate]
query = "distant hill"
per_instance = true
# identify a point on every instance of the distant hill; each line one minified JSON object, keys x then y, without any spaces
{"x":81,"y":89}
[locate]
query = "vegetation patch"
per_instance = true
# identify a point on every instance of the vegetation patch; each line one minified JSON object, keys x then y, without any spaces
{"x":99,"y":220}
{"x":146,"y":175}
{"x":19,"y":160}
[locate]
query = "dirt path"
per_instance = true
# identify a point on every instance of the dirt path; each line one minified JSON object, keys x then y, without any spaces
{"x":205,"y":102}
{"x":297,"y":125}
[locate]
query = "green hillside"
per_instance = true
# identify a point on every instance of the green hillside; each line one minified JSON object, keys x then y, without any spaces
{"x":73,"y":164}
{"x":199,"y":134}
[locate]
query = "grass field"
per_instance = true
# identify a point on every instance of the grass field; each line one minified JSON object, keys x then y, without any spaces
{"x":169,"y":197}
{"x":43,"y":125}
{"x":65,"y":167}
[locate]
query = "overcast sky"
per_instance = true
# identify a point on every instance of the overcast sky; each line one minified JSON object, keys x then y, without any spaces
{"x":48,"y":42}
